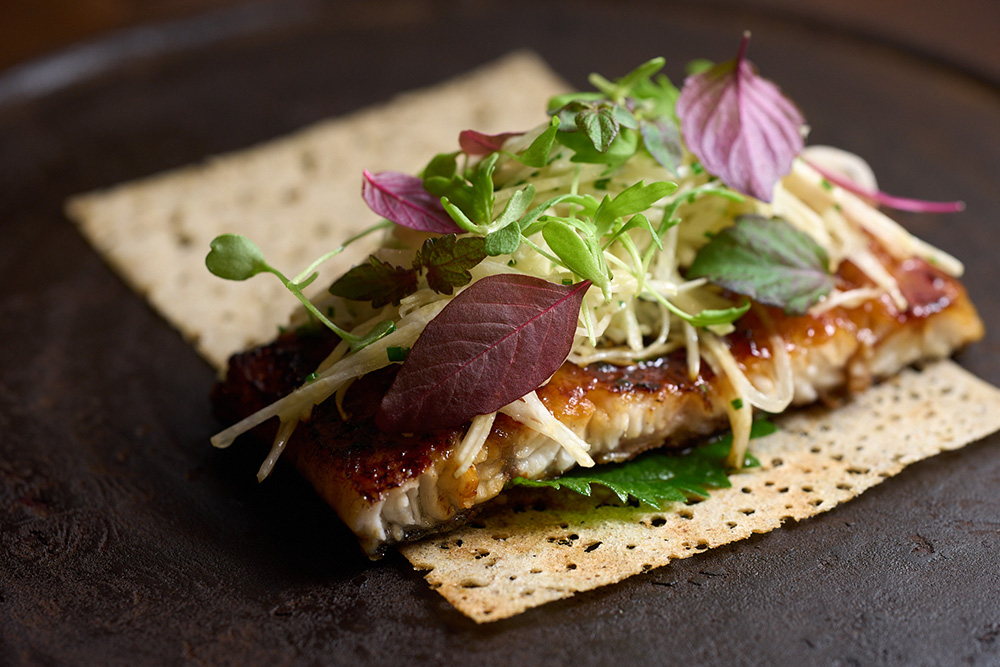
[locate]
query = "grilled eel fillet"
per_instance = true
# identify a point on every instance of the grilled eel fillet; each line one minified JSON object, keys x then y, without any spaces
{"x":391,"y":488}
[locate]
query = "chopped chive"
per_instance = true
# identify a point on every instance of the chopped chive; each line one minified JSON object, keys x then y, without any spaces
{"x":737,"y":404}
{"x":397,"y":353}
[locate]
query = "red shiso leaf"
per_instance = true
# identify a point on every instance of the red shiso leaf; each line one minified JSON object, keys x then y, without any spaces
{"x":402,"y":199}
{"x":740,"y":126}
{"x":885,"y":199}
{"x":499,"y":339}
{"x":476,"y":143}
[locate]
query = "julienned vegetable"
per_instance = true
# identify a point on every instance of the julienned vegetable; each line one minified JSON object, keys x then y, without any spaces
{"x":610,"y":233}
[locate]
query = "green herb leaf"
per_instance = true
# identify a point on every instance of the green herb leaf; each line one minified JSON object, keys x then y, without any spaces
{"x":637,"y":221}
{"x":659,"y":477}
{"x":448,"y":260}
{"x":626,"y":85}
{"x":235,"y":257}
{"x":662,"y":139}
{"x":621,"y":149}
{"x":537,"y":154}
{"x":482,"y":190}
{"x":531,"y":222}
{"x":503,"y":241}
{"x":583,"y":256}
{"x":635,"y":199}
{"x":472,"y":198}
{"x":768,"y":260}
{"x":503,"y":236}
{"x":376,"y":281}
{"x":600,"y":126}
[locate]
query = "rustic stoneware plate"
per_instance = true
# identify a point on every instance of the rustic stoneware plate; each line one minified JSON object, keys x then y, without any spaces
{"x":126,"y":539}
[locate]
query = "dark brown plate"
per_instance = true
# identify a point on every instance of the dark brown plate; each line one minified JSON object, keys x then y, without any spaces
{"x":126,"y":538}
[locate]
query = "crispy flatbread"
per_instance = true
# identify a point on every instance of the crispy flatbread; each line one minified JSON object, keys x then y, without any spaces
{"x":156,"y":232}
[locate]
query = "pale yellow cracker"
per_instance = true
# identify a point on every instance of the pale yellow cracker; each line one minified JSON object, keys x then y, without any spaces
{"x":515,"y":557}
{"x":296,"y":197}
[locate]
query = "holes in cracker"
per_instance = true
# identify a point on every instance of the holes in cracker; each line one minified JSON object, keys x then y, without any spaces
{"x":308,"y":162}
{"x":291,"y":195}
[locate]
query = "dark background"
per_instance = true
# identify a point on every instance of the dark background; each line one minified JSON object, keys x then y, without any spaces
{"x":959,"y":31}
{"x":125,"y":539}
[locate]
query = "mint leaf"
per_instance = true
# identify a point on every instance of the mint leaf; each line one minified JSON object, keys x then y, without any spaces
{"x":740,"y":126}
{"x":768,"y":260}
{"x":659,"y":477}
{"x":376,"y":281}
{"x":448,"y":260}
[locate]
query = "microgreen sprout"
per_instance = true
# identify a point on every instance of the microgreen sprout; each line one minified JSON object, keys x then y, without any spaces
{"x":235,"y":257}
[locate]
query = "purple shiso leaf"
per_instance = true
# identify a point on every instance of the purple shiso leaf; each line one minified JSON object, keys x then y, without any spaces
{"x":740,"y":126}
{"x":402,"y":199}
{"x":476,"y":143}
{"x":885,"y":199}
{"x":499,"y":339}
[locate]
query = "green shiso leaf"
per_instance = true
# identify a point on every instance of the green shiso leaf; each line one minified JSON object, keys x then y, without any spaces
{"x":768,"y":260}
{"x":659,"y":477}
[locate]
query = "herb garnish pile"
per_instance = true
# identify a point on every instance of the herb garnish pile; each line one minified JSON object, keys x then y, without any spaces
{"x":635,"y":222}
